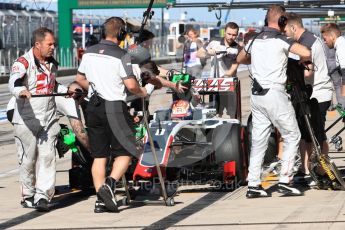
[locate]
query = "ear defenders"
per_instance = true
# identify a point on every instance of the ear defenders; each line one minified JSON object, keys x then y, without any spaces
{"x":121,"y":35}
{"x":282,"y":21}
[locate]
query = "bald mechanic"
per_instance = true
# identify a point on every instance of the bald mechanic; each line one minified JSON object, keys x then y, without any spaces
{"x":270,"y":104}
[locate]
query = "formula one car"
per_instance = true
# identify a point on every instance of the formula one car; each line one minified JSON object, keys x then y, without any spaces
{"x":191,"y":142}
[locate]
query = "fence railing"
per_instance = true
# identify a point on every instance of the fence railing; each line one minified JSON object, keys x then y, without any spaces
{"x":67,"y":57}
{"x":159,"y":50}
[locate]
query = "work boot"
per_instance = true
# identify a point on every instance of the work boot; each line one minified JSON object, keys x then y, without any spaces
{"x":107,"y":194}
{"x":42,"y":205}
{"x":100,"y":207}
{"x":288,"y":190}
{"x":301,"y":178}
{"x":256,"y":192}
{"x":28,"y":202}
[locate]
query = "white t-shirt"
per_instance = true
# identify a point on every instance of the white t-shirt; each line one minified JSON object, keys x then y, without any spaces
{"x":191,"y":58}
{"x":224,"y":60}
{"x":321,"y":81}
{"x":106,"y":65}
{"x":339,"y":47}
{"x":269,"y":57}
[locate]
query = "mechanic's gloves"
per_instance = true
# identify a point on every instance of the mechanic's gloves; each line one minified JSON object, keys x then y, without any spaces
{"x":223,"y":50}
{"x":211,"y":51}
{"x":76,"y":92}
{"x":230,"y":50}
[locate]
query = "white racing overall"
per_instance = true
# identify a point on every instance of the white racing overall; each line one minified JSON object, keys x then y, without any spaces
{"x":273,"y":108}
{"x":35,"y":126}
{"x":269,"y":55}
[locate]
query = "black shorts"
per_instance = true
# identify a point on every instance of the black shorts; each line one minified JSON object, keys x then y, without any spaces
{"x":110,"y":130}
{"x":318,"y":118}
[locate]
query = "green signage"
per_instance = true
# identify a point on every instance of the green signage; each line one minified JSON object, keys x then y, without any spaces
{"x":334,"y":18}
{"x":110,"y":3}
{"x":65,"y":8}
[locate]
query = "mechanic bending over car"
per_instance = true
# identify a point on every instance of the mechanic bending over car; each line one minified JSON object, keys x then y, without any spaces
{"x":146,"y":70}
{"x":35,"y":122}
{"x":227,"y":64}
{"x":268,"y":55}
{"x":146,"y":64}
{"x":316,"y":75}
{"x":107,"y":69}
{"x":66,"y":106}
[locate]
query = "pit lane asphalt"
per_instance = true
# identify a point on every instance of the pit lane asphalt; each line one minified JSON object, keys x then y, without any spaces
{"x":197,"y":207}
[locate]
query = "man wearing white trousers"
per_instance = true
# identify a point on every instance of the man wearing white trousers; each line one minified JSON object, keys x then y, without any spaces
{"x":35,"y":120}
{"x":270,"y":104}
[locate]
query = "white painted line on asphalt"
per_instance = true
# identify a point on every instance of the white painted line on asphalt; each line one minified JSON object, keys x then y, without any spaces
{"x":5,"y":94}
{"x":9,"y":173}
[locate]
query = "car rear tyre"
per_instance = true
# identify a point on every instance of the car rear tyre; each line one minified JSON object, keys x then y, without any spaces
{"x":272,"y":148}
{"x":226,"y":141}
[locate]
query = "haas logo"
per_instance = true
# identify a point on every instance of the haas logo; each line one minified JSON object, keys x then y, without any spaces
{"x":215,"y":85}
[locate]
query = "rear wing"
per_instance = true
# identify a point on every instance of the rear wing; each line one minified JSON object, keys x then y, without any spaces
{"x":215,"y":85}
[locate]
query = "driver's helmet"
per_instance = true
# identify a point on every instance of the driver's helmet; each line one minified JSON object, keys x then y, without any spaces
{"x":181,"y":110}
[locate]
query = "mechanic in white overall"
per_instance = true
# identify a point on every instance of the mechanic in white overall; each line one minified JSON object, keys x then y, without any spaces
{"x":268,"y":54}
{"x":35,"y":121}
{"x":66,"y":106}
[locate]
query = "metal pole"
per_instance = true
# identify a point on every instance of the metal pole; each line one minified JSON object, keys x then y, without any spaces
{"x":83,"y":27}
{"x":159,"y":172}
{"x":162,"y":28}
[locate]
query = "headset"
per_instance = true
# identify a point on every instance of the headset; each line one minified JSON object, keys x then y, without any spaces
{"x":282,"y":21}
{"x":121,"y":35}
